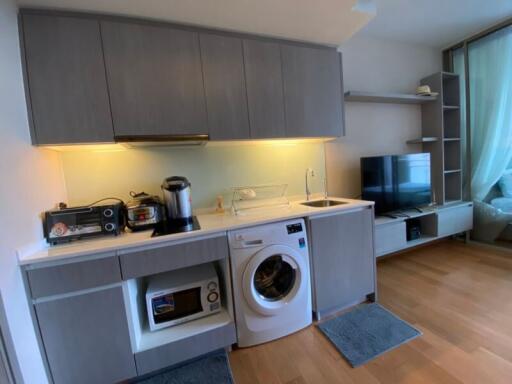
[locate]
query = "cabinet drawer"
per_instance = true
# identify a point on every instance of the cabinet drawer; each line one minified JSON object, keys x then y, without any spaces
{"x":455,"y":220}
{"x":185,"y":349}
{"x":63,"y":278}
{"x":390,"y":237}
{"x":146,"y":262}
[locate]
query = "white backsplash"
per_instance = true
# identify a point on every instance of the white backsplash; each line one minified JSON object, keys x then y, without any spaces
{"x":213,"y":169}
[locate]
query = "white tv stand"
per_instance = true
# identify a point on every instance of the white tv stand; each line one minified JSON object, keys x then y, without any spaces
{"x":436,"y":223}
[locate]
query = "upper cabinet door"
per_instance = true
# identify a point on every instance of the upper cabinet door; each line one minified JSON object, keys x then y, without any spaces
{"x":66,"y":76}
{"x":155,"y":80}
{"x":313,"y":91}
{"x":224,"y":81}
{"x":263,"y":74}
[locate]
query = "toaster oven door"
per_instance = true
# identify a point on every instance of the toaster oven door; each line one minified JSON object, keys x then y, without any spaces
{"x":73,"y":223}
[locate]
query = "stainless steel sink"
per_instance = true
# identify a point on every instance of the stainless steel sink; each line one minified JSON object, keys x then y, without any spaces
{"x":323,"y":203}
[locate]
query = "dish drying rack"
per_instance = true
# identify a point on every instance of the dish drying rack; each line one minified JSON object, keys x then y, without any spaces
{"x":253,"y":198}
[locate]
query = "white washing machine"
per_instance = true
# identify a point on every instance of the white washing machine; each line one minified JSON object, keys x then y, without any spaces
{"x":271,"y":281}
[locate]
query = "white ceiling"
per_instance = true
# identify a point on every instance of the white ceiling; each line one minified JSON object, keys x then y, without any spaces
{"x":322,"y":21}
{"x":437,"y":23}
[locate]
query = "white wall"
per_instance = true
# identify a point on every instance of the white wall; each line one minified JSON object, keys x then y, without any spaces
{"x":31,"y":182}
{"x":376,"y":129}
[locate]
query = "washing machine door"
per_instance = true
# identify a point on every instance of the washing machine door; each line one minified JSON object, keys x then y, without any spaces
{"x":272,"y":279}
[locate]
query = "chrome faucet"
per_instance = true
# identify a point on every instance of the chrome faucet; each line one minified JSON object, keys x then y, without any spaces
{"x":309,"y":171}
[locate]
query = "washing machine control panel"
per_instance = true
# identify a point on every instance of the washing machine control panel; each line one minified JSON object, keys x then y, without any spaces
{"x":294,"y":228}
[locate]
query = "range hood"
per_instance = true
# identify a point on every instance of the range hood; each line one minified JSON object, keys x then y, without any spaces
{"x":162,"y":141}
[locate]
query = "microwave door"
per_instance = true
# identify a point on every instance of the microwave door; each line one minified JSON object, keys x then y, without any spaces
{"x":176,"y":305}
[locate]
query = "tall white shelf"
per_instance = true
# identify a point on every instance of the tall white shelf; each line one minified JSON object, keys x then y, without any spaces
{"x":441,"y":119}
{"x":441,"y":137}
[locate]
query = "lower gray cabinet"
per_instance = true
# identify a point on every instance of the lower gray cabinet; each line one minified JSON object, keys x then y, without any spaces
{"x":86,"y":337}
{"x":6,"y":374}
{"x":342,"y":259}
{"x":185,"y":349}
{"x":4,"y":377}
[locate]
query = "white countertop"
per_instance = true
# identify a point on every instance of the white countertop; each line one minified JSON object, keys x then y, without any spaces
{"x":210,"y":223}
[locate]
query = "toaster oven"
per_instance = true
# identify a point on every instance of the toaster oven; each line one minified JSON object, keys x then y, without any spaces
{"x":182,"y":295}
{"x":63,"y":225}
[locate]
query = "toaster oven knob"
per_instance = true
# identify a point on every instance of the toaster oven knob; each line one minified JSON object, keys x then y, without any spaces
{"x":110,"y":227}
{"x":212,"y":297}
{"x":108,"y":212}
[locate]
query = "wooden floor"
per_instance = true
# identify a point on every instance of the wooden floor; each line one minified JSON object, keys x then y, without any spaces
{"x":459,"y":296}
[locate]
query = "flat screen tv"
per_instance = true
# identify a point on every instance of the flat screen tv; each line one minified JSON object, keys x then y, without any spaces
{"x":396,"y":182}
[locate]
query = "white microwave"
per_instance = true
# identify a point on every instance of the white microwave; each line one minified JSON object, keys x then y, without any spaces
{"x":182,"y":295}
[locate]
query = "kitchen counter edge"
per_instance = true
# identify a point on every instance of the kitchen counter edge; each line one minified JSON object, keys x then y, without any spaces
{"x":211,"y":224}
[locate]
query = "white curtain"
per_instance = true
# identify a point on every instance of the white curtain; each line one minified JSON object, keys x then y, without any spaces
{"x":490,"y":82}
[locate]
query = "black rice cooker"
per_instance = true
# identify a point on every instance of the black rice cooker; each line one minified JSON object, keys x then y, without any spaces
{"x":143,"y":211}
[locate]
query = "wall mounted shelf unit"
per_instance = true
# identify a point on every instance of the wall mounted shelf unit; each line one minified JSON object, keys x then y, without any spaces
{"x":391,"y":98}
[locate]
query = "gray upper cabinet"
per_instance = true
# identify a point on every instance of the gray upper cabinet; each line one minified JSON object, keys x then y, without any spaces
{"x":313,"y":91}
{"x":94,"y":78}
{"x":224,"y":82}
{"x":263,"y":74}
{"x":86,"y":337}
{"x":342,"y":259}
{"x":67,"y":92}
{"x":155,"y":79}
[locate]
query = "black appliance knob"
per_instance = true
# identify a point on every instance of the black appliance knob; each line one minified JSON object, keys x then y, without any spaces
{"x":110,"y":227}
{"x":108,"y":212}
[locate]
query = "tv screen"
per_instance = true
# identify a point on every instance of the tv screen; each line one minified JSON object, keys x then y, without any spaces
{"x":396,"y":182}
